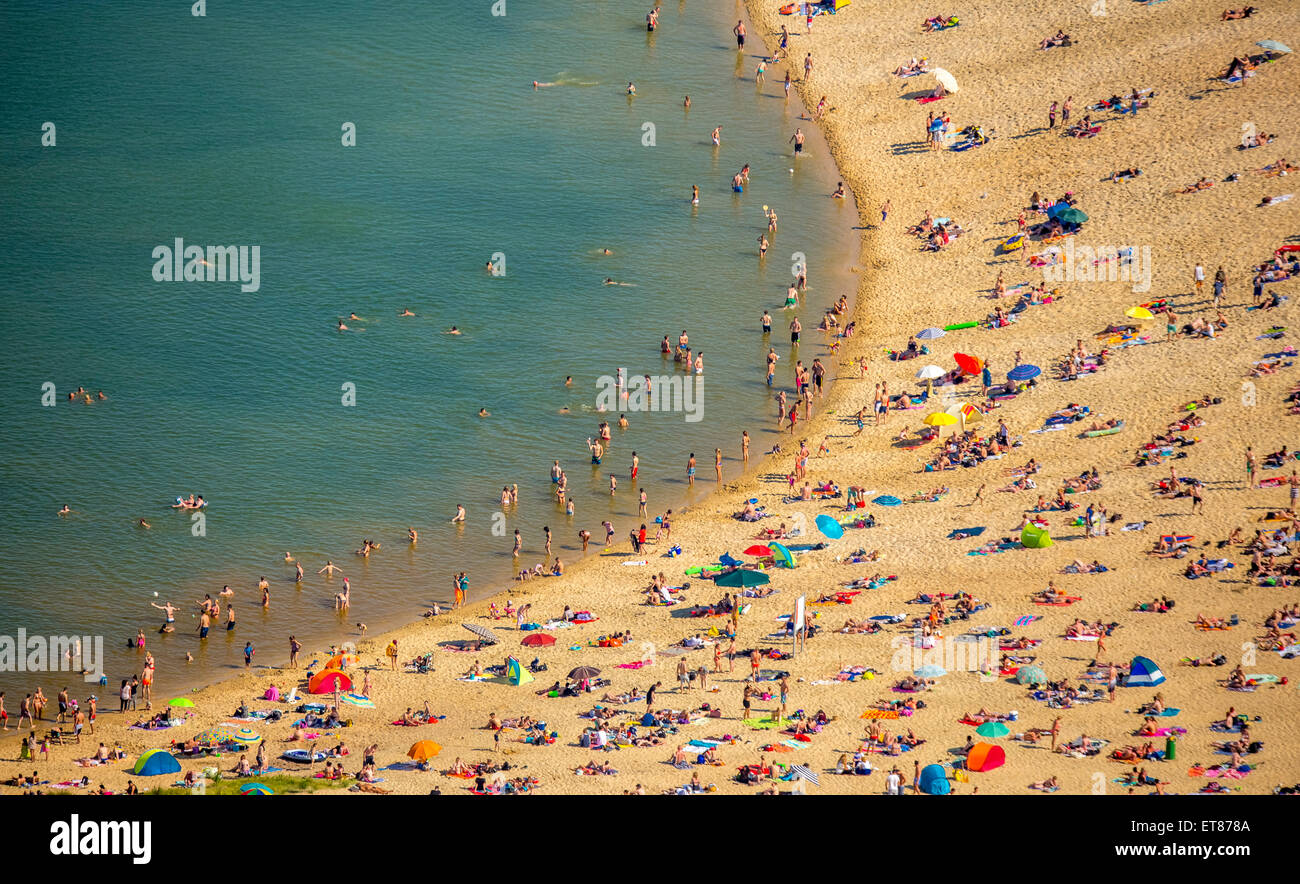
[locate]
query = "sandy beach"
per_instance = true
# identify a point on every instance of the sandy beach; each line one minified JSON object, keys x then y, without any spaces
{"x":1191,"y":127}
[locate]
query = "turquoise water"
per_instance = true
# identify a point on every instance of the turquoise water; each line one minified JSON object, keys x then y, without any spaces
{"x":226,"y":130}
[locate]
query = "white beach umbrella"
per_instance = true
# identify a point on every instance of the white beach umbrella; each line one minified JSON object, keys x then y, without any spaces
{"x":930,"y":373}
{"x":946,"y":80}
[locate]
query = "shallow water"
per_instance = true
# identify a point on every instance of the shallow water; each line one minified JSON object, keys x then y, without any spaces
{"x":226,"y":130}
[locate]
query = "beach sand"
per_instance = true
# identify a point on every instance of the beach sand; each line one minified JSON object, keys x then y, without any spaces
{"x":1191,"y":129}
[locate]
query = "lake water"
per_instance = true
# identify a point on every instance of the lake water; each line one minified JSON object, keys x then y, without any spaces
{"x":227,"y":130}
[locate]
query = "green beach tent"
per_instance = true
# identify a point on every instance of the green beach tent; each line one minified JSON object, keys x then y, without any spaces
{"x":516,"y":674}
{"x":1033,"y":537}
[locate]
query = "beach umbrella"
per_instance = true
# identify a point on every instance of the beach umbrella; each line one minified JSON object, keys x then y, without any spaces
{"x":339,"y":661}
{"x":359,"y":701}
{"x":758,"y":550}
{"x":423,"y":750}
{"x":256,"y":789}
{"x":946,"y":80}
{"x":828,"y":526}
{"x":538,"y":640}
{"x":930,"y":373}
{"x":154,"y":763}
{"x":939,"y":419}
{"x":930,"y":334}
{"x":482,"y":632}
{"x":582,"y":672}
{"x":743,"y":579}
{"x":930,"y":670}
{"x":783,"y":555}
{"x":327,"y":681}
{"x":1024,"y":372}
{"x":214,"y":735}
{"x":1067,"y":214}
{"x":1031,"y":675}
{"x":887,"y":500}
{"x":180,"y":701}
{"x":1139,"y":313}
{"x":245,"y":737}
{"x":968,"y":364}
{"x":1274,"y":45}
{"x":802,"y":772}
{"x":992,"y":729}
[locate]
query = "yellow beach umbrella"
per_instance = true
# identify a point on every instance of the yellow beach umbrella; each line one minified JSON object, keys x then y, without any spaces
{"x":1139,"y":313}
{"x":940,"y":419}
{"x":424,"y":750}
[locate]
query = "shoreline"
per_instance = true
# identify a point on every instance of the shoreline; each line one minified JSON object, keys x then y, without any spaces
{"x":911,"y":537}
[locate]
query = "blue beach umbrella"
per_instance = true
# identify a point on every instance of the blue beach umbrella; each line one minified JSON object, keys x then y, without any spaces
{"x":1024,"y":372}
{"x":887,"y":500}
{"x":256,"y":789}
{"x":828,"y":526}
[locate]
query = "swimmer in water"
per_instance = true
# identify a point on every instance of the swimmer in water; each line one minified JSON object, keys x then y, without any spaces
{"x":717,"y":136}
{"x":405,"y":312}
{"x":143,"y":524}
{"x":66,"y":509}
{"x":695,"y":194}
{"x":687,"y":103}
{"x":460,"y":513}
{"x":412,"y":535}
{"x":288,"y":557}
{"x":355,"y":318}
{"x":631,"y":89}
{"x":452,"y":331}
{"x":537,"y":85}
{"x":483,"y":412}
{"x":568,"y":381}
{"x":342,"y":326}
{"x":839,"y":191}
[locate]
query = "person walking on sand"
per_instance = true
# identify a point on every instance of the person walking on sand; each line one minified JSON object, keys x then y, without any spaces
{"x":1056,"y":731}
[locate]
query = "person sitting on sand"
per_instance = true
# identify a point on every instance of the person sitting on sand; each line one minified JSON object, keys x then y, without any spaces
{"x":1060,"y":39}
{"x":1234,"y":14}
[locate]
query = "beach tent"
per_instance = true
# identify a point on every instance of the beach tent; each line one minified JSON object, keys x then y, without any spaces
{"x":1031,"y":675}
{"x":934,"y":780}
{"x":1143,"y":673}
{"x":828,"y":526}
{"x":985,"y":756}
{"x":327,"y":681}
{"x":256,"y":789}
{"x":341,"y":661}
{"x":516,"y":674}
{"x":965,"y":413}
{"x":783,"y":555}
{"x":155,"y":762}
{"x":1033,"y":537}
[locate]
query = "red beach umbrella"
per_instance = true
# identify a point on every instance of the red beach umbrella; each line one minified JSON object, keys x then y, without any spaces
{"x":539,"y":639}
{"x":758,"y":550}
{"x":968,"y":364}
